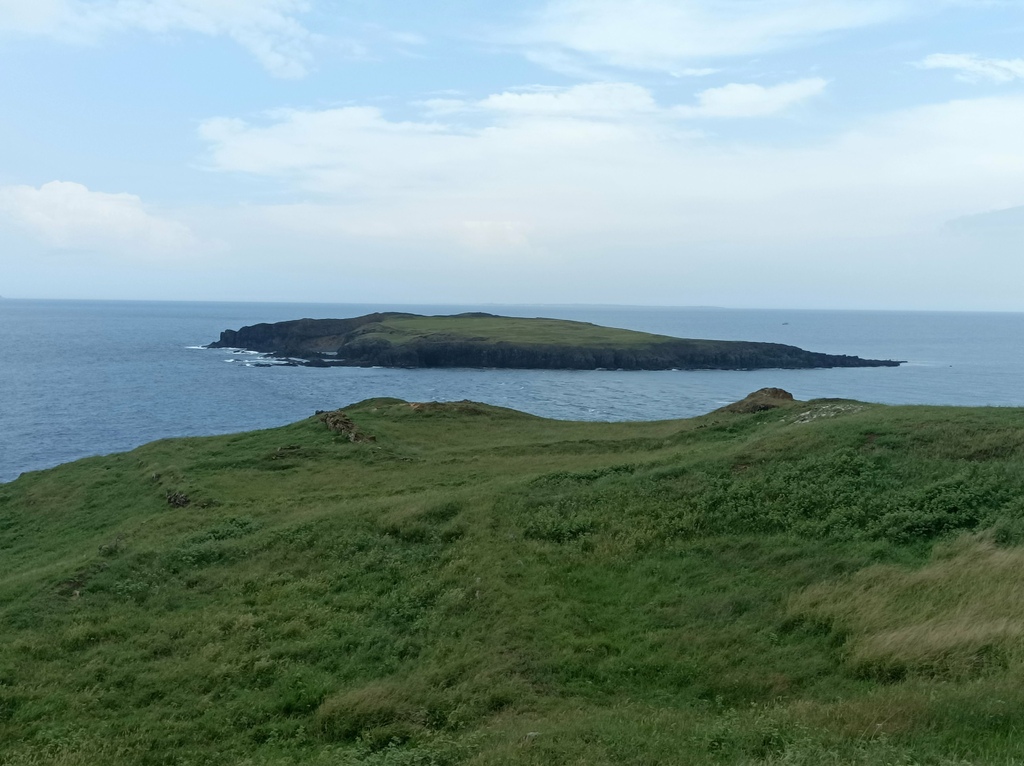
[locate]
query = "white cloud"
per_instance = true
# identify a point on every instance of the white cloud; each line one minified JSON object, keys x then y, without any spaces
{"x":599,"y":99}
{"x":973,"y":68}
{"x":626,"y":101}
{"x":664,"y":34}
{"x":694,"y":72}
{"x":547,"y":179}
{"x":563,"y":62}
{"x":68,"y":215}
{"x":443,"y":106}
{"x":20,"y":16}
{"x":332,"y":149}
{"x":751,"y":100}
{"x":588,"y":100}
{"x":268,"y":29}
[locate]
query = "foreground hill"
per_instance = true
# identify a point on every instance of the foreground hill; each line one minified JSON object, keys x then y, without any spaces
{"x":825,"y":582}
{"x":485,"y":340}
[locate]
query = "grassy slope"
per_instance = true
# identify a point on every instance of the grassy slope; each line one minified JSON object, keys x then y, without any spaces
{"x":824,"y":583}
{"x":400,"y":330}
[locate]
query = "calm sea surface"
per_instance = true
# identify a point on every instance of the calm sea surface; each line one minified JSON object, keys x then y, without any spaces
{"x":93,"y":377}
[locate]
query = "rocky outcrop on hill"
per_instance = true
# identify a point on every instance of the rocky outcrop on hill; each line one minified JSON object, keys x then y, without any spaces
{"x":759,"y":401}
{"x":339,"y":422}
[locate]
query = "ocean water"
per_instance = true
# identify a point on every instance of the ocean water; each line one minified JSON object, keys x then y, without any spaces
{"x":80,"y":378}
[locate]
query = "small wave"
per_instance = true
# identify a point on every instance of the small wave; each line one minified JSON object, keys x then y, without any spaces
{"x":201,"y":348}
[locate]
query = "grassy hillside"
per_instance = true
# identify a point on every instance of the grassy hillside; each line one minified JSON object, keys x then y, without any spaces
{"x":822,"y":583}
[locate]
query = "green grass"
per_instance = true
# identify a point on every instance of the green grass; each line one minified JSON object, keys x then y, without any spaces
{"x":824,"y":583}
{"x":400,"y":330}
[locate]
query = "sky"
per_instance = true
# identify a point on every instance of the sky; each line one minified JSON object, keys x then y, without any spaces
{"x":855,"y":154}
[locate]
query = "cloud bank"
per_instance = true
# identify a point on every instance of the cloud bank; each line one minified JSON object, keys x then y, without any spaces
{"x":974,"y":68}
{"x":69,"y":216}
{"x":267,"y":29}
{"x":552,"y":167}
{"x":666,"y":34}
{"x":751,"y":100}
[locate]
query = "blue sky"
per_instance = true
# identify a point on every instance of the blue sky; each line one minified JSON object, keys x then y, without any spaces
{"x":761,"y":153}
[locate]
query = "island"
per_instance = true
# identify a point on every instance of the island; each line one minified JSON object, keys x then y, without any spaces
{"x":395,"y":339}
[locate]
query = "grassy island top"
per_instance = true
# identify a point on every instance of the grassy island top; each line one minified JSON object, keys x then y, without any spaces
{"x":778,"y":582}
{"x":486,"y":340}
{"x":406,"y":328}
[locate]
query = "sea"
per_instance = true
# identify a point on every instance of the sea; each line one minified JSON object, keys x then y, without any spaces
{"x":81,"y":378}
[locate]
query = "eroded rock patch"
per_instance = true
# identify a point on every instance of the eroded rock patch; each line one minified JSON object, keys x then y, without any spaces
{"x":340,"y":423}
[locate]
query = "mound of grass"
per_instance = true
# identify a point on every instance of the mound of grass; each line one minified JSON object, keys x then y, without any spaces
{"x":823,"y":582}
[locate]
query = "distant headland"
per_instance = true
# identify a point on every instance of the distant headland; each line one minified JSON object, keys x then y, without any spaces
{"x":485,"y":340}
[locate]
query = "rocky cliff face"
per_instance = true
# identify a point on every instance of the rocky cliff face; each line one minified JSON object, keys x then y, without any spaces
{"x":726,"y":355}
{"x":298,"y":336}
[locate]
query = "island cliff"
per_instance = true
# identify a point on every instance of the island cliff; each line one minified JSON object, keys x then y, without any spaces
{"x":484,"y":340}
